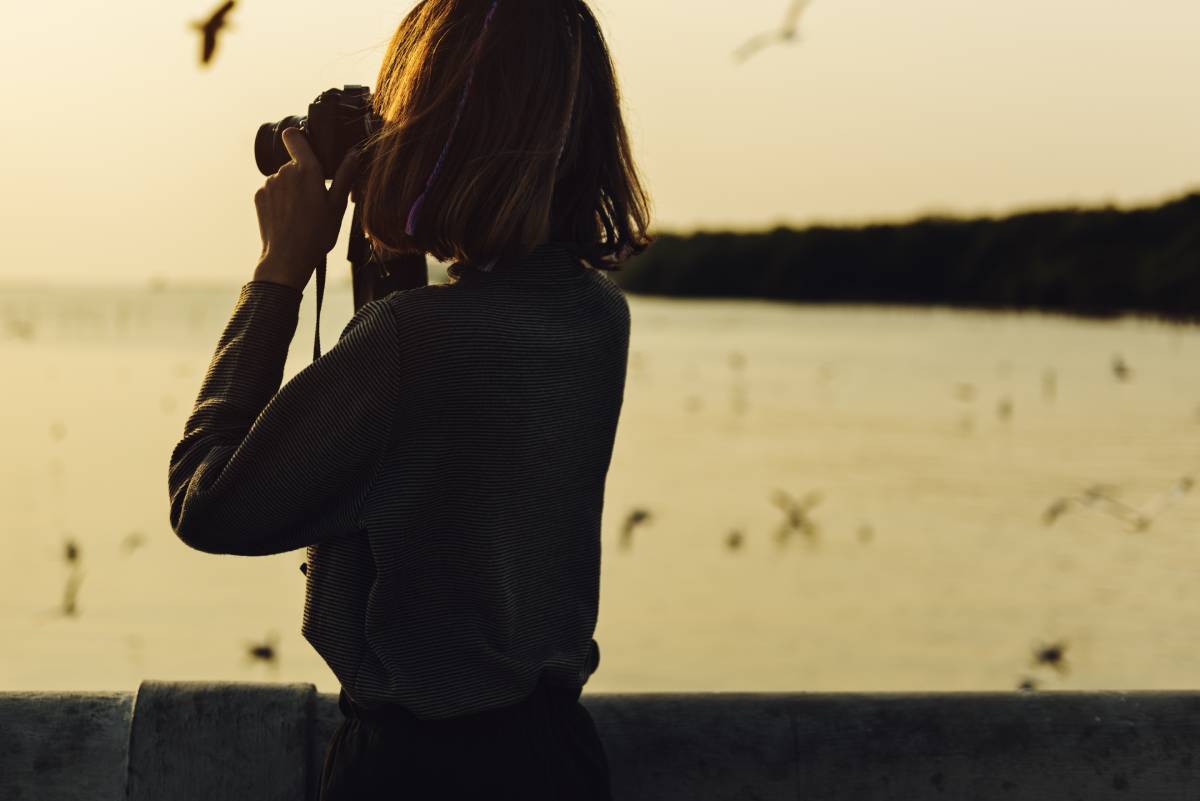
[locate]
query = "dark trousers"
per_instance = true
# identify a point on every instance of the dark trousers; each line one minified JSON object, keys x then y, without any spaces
{"x":545,"y":747}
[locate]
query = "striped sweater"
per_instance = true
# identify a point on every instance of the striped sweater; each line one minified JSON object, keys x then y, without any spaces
{"x":444,"y":465}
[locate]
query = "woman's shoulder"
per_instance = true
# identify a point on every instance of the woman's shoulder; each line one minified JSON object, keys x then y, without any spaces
{"x":435,"y":310}
{"x":612,"y":292}
{"x":420,"y":304}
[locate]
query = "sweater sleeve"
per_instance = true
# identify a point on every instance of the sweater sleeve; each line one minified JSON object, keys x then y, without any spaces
{"x":263,"y":470}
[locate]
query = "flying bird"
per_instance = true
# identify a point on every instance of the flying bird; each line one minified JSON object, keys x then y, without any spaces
{"x":634,"y":519}
{"x":796,"y":519}
{"x":210,"y":28}
{"x":266,"y":651}
{"x":1120,"y":369}
{"x":1099,"y":498}
{"x":1004,"y":408}
{"x":788,"y":32}
{"x":132,"y":541}
{"x":1052,"y":655}
{"x":1137,"y":519}
{"x":71,"y":556}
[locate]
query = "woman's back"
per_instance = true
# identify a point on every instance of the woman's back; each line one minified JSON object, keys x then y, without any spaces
{"x":458,"y":602}
{"x":478,"y":571}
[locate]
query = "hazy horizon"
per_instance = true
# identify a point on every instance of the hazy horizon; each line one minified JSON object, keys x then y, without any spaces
{"x":136,"y":163}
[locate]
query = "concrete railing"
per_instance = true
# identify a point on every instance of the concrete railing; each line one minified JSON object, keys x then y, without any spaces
{"x":253,"y":742}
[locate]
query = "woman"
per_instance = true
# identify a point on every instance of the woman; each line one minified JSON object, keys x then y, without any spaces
{"x":444,"y":463}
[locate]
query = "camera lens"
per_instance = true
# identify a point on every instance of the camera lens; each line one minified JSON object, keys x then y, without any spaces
{"x":269,"y":151}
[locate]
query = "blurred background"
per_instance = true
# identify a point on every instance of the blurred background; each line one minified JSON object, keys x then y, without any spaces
{"x":910,"y":404}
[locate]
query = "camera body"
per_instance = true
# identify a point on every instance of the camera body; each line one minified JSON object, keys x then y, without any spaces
{"x":337,"y":121}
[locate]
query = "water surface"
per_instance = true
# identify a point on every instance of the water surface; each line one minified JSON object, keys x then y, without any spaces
{"x":929,"y":566}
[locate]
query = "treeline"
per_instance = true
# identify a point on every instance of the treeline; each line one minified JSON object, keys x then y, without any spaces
{"x":1093,"y":262}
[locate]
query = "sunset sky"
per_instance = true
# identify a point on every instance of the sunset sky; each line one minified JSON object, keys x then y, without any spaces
{"x":125,"y":160}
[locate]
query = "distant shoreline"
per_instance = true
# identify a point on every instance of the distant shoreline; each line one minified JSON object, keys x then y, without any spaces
{"x":1101,"y":262}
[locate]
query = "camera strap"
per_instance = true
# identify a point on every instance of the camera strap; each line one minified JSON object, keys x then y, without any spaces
{"x":320,"y":295}
{"x":358,"y":253}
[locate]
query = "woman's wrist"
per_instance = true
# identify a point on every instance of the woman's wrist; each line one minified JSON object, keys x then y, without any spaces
{"x":269,"y":270}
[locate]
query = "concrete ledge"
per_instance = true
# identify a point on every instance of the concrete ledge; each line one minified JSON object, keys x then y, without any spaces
{"x":63,"y":746}
{"x":197,"y":740}
{"x":192,"y":740}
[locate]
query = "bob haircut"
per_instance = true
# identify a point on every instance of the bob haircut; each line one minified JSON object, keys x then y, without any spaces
{"x":540,"y":152}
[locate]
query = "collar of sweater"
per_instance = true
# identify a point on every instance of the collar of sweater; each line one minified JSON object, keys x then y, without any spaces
{"x":550,"y":261}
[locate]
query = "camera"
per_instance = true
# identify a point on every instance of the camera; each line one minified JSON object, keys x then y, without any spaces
{"x":337,"y":121}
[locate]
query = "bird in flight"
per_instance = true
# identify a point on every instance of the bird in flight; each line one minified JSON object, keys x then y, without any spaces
{"x":1099,"y":497}
{"x":210,"y":27}
{"x":787,"y":32}
{"x":1051,"y":655}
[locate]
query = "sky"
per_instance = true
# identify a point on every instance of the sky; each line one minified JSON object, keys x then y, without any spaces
{"x":124,"y":161}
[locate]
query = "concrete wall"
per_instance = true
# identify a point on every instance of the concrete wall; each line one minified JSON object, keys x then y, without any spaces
{"x":200,"y":741}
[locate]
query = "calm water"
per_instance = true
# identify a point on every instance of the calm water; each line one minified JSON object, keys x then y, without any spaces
{"x":926,"y":564}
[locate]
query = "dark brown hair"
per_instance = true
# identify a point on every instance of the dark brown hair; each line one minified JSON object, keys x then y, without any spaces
{"x":542,"y":71}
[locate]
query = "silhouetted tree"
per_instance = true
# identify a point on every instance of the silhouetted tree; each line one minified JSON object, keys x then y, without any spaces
{"x":1100,"y":262}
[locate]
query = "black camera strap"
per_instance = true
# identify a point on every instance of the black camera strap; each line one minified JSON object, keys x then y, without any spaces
{"x":370,"y":278}
{"x":320,"y":295}
{"x":358,"y":253}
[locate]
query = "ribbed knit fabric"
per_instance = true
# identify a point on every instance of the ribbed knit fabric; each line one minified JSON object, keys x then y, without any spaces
{"x":444,"y":464}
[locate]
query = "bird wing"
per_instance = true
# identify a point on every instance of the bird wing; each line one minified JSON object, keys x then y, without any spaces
{"x":1164,"y":499}
{"x":220,"y":13}
{"x":753,"y":45}
{"x":1114,"y":507}
{"x":1096,"y":492}
{"x":782,"y":499}
{"x":792,"y":21}
{"x":1056,"y":509}
{"x":210,"y":46}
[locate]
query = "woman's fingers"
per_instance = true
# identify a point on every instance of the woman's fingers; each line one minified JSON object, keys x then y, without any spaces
{"x":343,"y":181}
{"x":299,"y":149}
